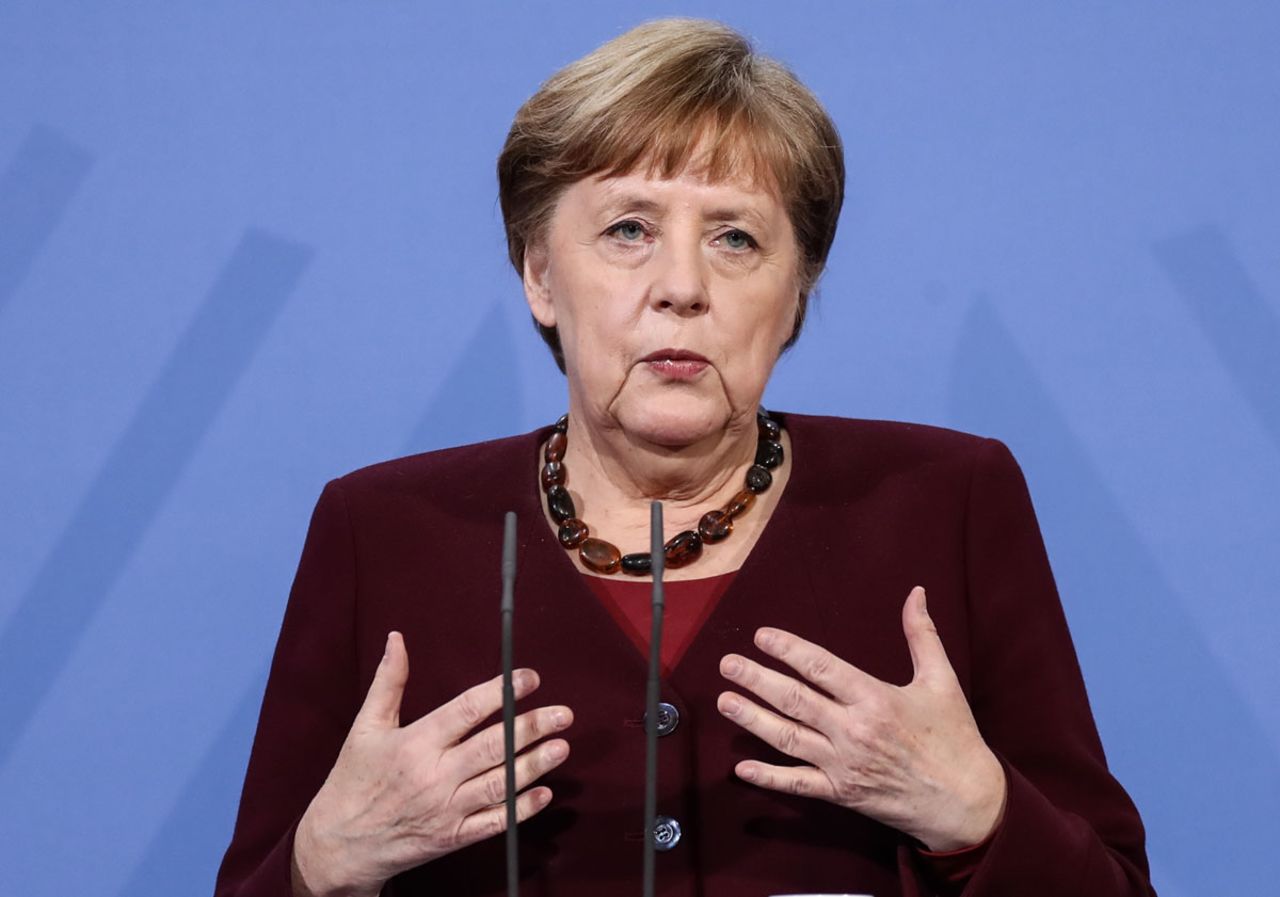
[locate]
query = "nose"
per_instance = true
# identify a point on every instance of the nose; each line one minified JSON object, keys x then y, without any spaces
{"x":679,"y":280}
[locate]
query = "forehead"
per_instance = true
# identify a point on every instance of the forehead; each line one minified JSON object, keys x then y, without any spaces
{"x":690,"y":188}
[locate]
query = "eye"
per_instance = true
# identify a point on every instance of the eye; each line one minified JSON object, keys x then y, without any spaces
{"x":738,"y":240}
{"x":629,"y":231}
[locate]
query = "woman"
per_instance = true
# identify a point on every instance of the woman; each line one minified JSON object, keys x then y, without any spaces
{"x":670,"y":200}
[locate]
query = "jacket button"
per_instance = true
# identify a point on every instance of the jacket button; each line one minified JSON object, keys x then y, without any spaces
{"x":666,"y":833}
{"x":668,"y":718}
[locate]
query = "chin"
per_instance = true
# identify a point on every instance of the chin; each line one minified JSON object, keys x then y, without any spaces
{"x":674,"y":420}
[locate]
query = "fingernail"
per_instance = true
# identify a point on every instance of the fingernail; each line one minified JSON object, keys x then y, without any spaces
{"x":730,"y":705}
{"x":732,"y":666}
{"x":559,"y":719}
{"x":557,"y":751}
{"x":924,"y":600}
{"x":764,"y":638}
{"x":747,"y":773}
{"x":386,"y":648}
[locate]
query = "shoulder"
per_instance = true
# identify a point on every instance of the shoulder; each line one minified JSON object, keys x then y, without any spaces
{"x":897,"y":435}
{"x":455,"y":477}
{"x":887,"y":442}
{"x":837,"y":455}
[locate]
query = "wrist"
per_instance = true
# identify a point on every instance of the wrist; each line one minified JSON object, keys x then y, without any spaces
{"x":979,"y":811}
{"x":318,"y":865}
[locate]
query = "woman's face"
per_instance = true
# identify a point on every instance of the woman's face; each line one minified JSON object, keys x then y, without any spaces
{"x":672,"y":298}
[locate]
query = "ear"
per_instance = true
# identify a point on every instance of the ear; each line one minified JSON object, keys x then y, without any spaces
{"x":537,"y":287}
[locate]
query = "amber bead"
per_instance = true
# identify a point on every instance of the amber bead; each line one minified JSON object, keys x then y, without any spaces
{"x":572,"y":532}
{"x":560,"y":504}
{"x":769,"y":453}
{"x":600,"y":556}
{"x":552,"y":474}
{"x":758,"y":479}
{"x":562,"y":425}
{"x":683,"y":549}
{"x":740,"y":504}
{"x":638,"y":564}
{"x":769,"y":428}
{"x":555,"y":447}
{"x":715,"y":526}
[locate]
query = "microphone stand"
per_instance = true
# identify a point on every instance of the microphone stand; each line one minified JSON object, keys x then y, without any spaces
{"x":509,"y":698}
{"x":658,"y":563}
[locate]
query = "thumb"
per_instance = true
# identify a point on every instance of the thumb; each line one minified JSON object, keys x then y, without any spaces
{"x":381,"y":708}
{"x":928,"y":657}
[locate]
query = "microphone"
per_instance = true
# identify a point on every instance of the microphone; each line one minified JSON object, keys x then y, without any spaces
{"x":509,"y":698}
{"x":657,"y":565}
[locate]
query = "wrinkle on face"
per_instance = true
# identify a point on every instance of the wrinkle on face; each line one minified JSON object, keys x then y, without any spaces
{"x":636,"y":264}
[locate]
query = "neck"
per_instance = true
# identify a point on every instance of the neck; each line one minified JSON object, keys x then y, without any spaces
{"x":615,"y":475}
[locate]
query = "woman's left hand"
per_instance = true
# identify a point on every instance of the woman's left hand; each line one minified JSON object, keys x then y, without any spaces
{"x":910,"y":756}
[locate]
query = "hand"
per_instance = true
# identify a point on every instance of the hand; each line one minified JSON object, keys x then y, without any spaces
{"x":399,"y":797}
{"x":910,"y":757}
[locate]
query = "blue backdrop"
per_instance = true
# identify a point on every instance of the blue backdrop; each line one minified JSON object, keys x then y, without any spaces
{"x":246,"y":247}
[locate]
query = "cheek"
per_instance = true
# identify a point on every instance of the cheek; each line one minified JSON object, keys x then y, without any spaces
{"x":772,"y":320}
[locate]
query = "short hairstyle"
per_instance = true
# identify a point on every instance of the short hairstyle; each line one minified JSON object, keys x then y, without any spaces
{"x":655,"y":96}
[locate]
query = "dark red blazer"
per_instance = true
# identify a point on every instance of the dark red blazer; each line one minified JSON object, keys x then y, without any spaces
{"x":871,"y":510}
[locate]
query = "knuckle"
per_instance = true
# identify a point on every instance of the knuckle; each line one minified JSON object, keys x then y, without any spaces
{"x":493,"y":748}
{"x":819,"y":666}
{"x":788,"y":738}
{"x":876,"y":707}
{"x":494,"y":824}
{"x":468,"y":709}
{"x":795,"y":699}
{"x":539,"y":724}
{"x":495,"y":789}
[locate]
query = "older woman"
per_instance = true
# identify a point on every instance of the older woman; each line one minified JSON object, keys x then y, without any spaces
{"x":670,"y":200}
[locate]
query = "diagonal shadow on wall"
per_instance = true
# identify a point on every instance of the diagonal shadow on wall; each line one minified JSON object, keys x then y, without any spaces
{"x":35,"y":193}
{"x":184,"y":855}
{"x":1199,"y":764}
{"x":480,"y":397}
{"x":140,"y":471}
{"x":1233,"y":314}
{"x":477,"y":399}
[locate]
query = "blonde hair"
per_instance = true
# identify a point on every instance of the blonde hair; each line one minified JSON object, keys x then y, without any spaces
{"x":654,"y":97}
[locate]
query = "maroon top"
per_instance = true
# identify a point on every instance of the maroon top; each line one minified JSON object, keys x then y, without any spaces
{"x":688,"y":603}
{"x":871,"y":509}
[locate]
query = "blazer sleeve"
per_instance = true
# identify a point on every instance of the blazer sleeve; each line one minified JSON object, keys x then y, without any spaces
{"x":1069,"y":829}
{"x":310,"y":700}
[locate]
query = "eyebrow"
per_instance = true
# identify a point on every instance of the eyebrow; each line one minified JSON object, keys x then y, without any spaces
{"x":625,"y":201}
{"x":631,"y":202}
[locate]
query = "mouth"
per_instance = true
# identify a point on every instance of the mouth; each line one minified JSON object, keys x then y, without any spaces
{"x":675,"y":364}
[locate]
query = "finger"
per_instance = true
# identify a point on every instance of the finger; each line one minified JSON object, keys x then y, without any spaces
{"x":493,"y":820}
{"x":805,"y":781}
{"x":487,"y":749}
{"x":843,"y":681}
{"x":451,"y":721}
{"x":928,"y":656}
{"x":381,"y":708}
{"x":794,"y":698}
{"x":490,"y":789}
{"x":792,"y":738}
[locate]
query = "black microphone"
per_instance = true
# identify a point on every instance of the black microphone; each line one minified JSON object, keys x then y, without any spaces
{"x":509,"y":698}
{"x":657,"y":565}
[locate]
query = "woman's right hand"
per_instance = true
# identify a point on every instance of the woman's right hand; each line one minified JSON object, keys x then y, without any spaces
{"x":398,"y":797}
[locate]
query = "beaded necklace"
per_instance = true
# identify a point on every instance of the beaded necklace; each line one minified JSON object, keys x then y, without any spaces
{"x":681,"y":549}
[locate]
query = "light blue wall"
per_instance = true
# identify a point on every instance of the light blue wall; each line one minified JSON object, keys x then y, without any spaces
{"x":246,"y":247}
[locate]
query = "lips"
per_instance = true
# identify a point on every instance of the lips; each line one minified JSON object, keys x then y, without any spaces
{"x":676,"y":364}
